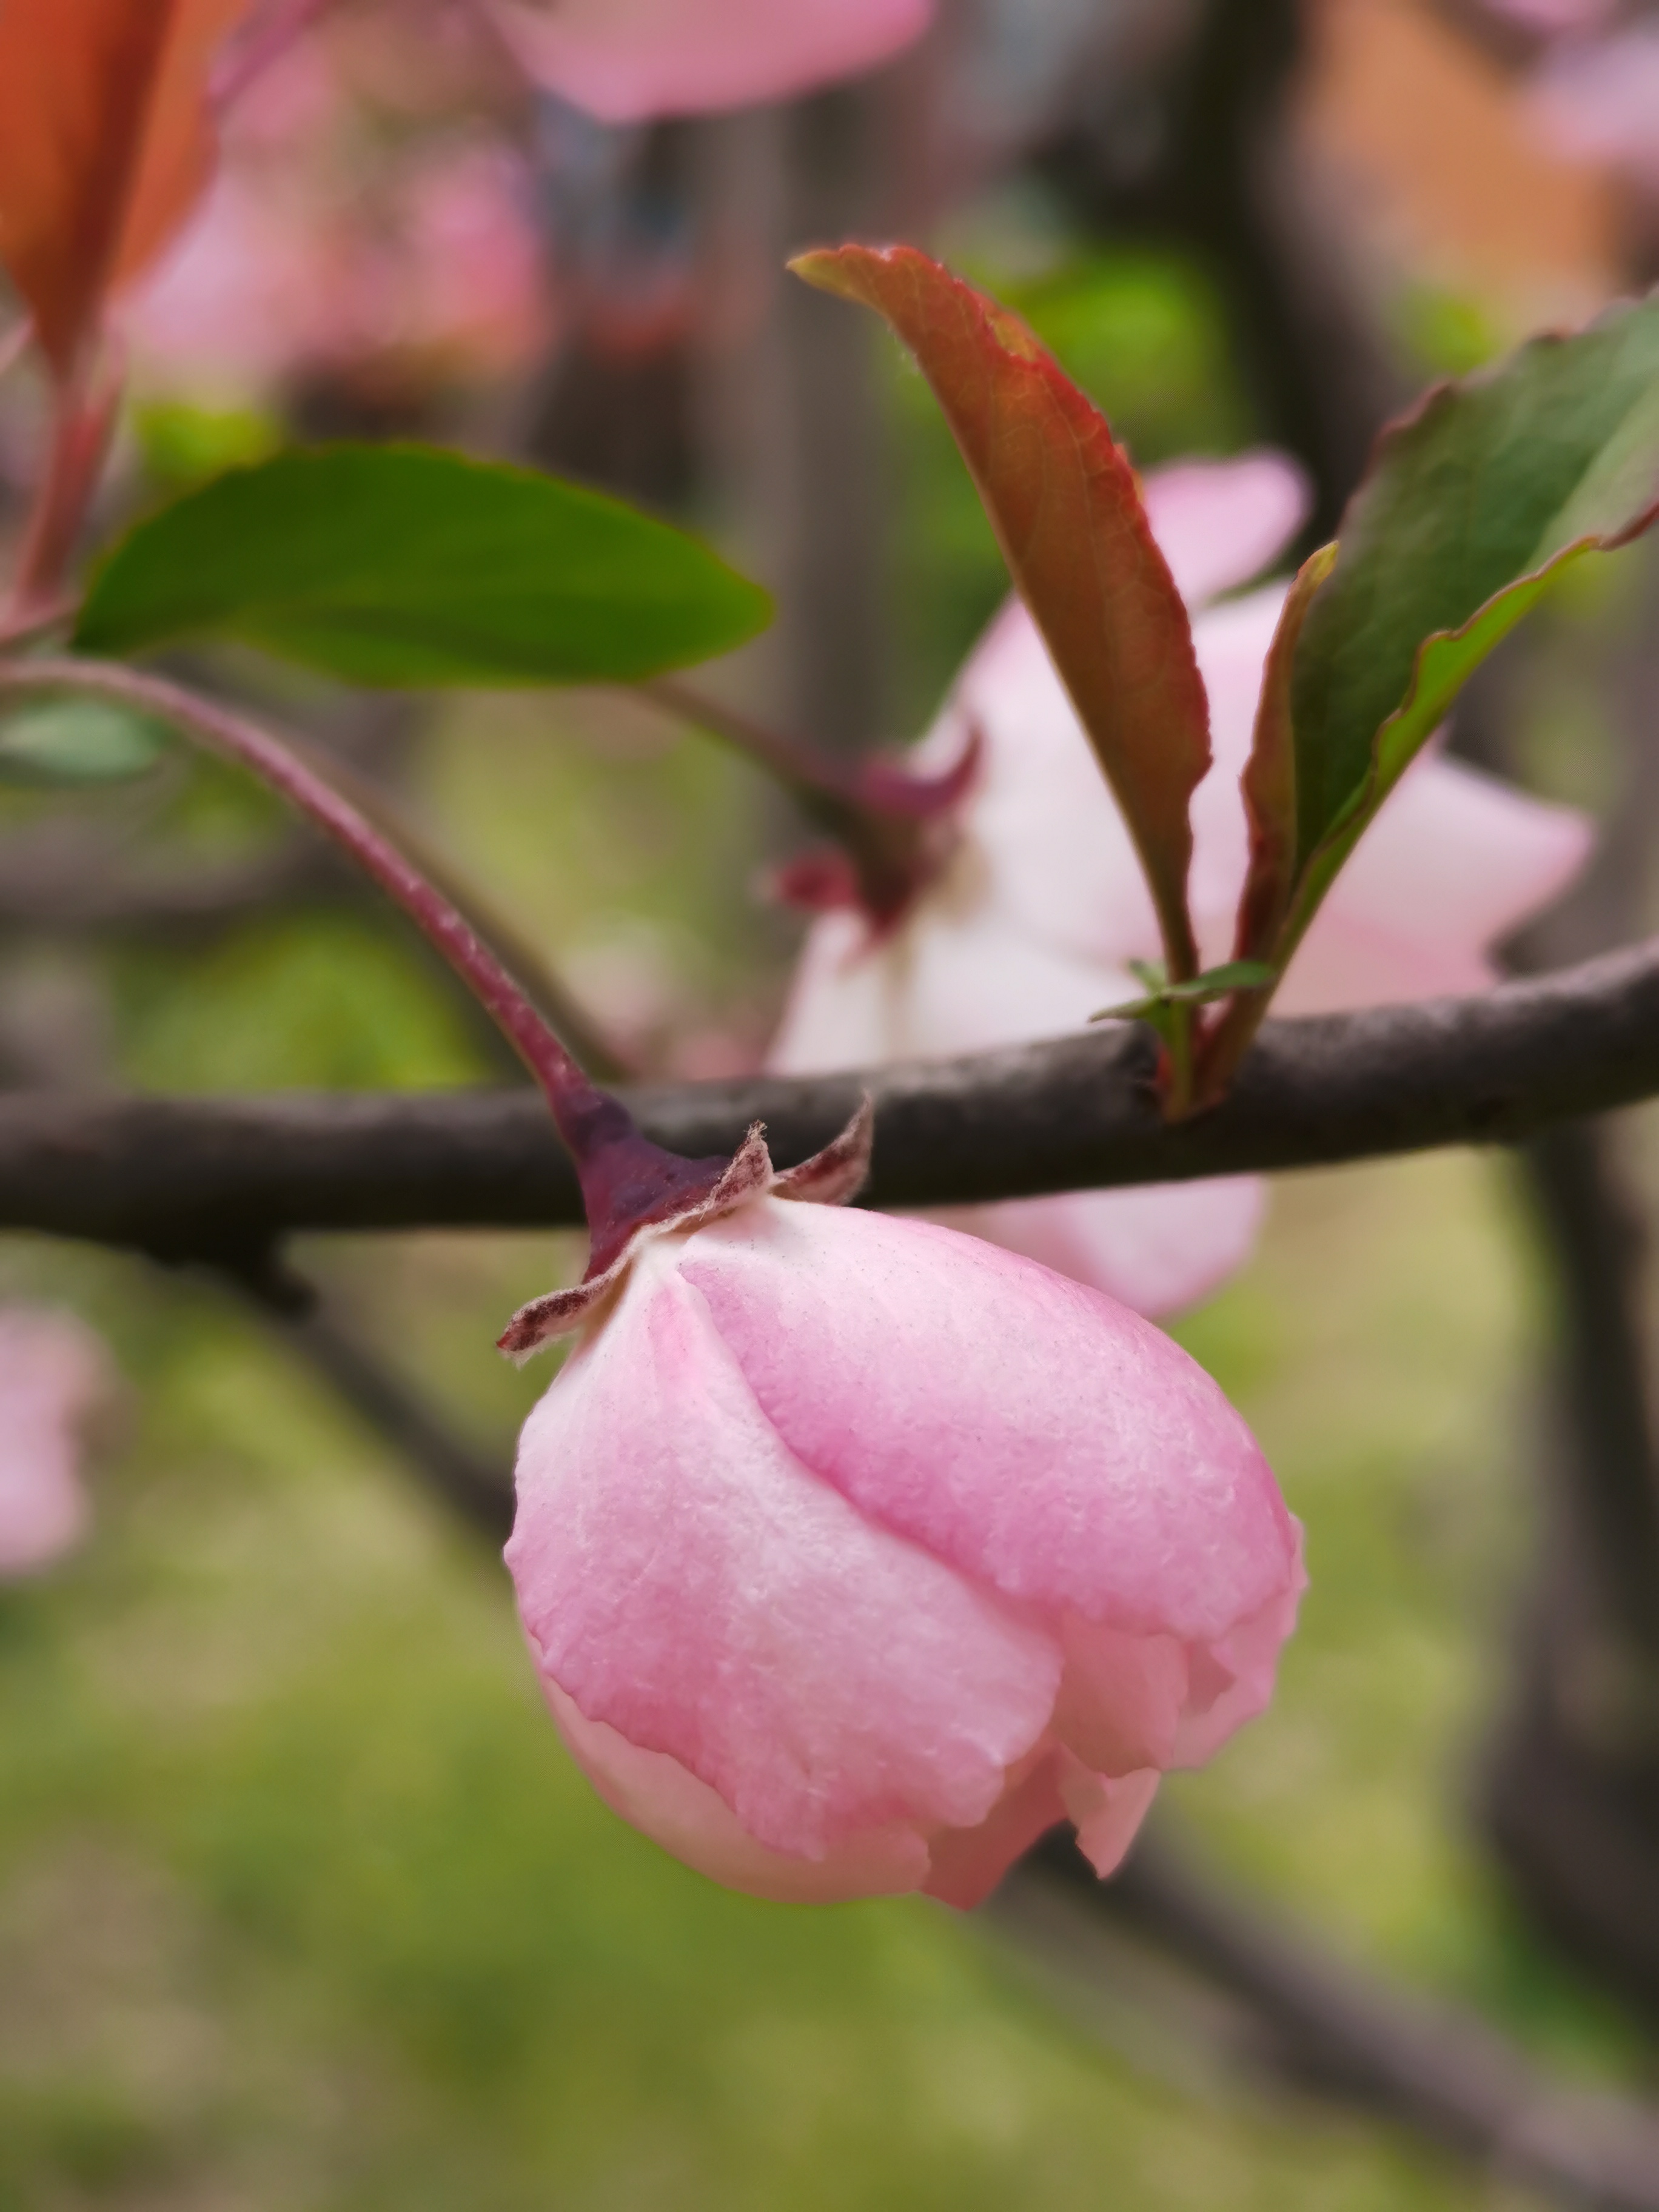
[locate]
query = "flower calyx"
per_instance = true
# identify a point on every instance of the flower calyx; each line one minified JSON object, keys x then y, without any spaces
{"x":636,"y":1191}
{"x":894,"y":830}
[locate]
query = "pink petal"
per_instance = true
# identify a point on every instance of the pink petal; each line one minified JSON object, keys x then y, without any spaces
{"x":627,"y":59}
{"x":1156,"y":1250}
{"x":1600,"y":102}
{"x":1107,"y":1811}
{"x":1121,"y":1698}
{"x":1556,"y":15}
{"x":945,"y":983}
{"x":1221,"y":523}
{"x":1232,"y":1680}
{"x":53,"y":1374}
{"x":1049,"y":854}
{"x":246,"y":296}
{"x":966,"y":1864}
{"x":1231,"y":643}
{"x":1028,"y":1431}
{"x":687,"y":1582}
{"x":657,"y":1796}
{"x":1452,"y":865}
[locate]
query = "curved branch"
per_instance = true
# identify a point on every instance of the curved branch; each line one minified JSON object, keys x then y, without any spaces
{"x":186,"y":1179}
{"x":1341,"y":2031}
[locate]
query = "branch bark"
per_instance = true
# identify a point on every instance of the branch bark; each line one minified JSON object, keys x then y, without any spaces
{"x":205,"y":1179}
{"x":1346,"y":2034}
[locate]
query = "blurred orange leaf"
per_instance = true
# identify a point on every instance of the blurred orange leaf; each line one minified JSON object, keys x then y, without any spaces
{"x":104,"y":144}
{"x":1062,"y":498}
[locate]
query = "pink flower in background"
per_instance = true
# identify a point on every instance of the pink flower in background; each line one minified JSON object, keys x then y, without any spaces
{"x":627,"y":59}
{"x":1030,"y":928}
{"x":855,"y":1553}
{"x":54,"y":1373}
{"x":1598,"y":100}
{"x":1554,"y":17}
{"x":406,"y":257}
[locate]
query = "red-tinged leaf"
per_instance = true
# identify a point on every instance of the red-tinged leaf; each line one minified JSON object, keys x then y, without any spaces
{"x":1062,"y":498}
{"x":1268,"y":782}
{"x":104,"y":144}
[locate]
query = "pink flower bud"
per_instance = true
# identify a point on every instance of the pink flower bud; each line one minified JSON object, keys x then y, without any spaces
{"x":53,"y":1374}
{"x":854,"y":1553}
{"x":627,"y":59}
{"x":1031,"y":928}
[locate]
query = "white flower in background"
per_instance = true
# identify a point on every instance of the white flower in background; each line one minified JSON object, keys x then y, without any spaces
{"x":1030,"y":928}
{"x":54,"y":1376}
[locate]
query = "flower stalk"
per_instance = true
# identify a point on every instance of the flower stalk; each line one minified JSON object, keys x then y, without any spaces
{"x":895,"y":830}
{"x":627,"y":1182}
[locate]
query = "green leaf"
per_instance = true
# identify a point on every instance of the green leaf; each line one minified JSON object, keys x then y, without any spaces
{"x":76,"y":741}
{"x":403,"y":565}
{"x":1214,"y":983}
{"x":1472,"y":504}
{"x":1062,"y":498}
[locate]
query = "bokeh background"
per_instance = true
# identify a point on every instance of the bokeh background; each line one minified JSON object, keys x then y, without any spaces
{"x":301,"y":1904}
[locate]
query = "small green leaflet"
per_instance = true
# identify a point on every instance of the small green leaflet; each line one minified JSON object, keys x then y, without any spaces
{"x":405,"y":565}
{"x":1214,"y":983}
{"x":65,"y":742}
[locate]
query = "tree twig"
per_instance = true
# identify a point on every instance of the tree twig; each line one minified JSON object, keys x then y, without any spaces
{"x":1343,"y":2032}
{"x":194,"y":1178}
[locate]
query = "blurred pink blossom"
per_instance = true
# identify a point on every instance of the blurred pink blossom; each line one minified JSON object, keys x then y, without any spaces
{"x":855,"y":1553}
{"x":1031,"y":928}
{"x":1554,"y":17}
{"x":407,"y":257}
{"x":1598,"y":100}
{"x":54,"y":1374}
{"x":627,"y":59}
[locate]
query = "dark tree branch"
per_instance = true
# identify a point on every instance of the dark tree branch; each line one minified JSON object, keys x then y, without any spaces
{"x":204,"y":1179}
{"x":1343,"y":2033}
{"x":479,"y":1493}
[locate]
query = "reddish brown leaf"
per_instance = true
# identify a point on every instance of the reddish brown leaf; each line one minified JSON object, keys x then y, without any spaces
{"x":105,"y":144}
{"x":1061,"y":496}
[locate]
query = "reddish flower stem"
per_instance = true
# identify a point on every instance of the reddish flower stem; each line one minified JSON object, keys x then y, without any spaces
{"x":83,"y":417}
{"x":896,"y":827}
{"x":585,"y":1117}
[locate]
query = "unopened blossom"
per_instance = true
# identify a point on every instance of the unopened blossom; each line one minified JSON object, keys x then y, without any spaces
{"x":53,"y":1377}
{"x":854,"y":1553}
{"x":625,"y":60}
{"x":1032,"y":926}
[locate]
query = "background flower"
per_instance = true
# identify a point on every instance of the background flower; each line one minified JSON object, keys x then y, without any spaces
{"x":1031,"y":928}
{"x":626,"y":59}
{"x":54,"y":1373}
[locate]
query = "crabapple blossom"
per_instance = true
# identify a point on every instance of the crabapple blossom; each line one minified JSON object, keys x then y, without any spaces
{"x":625,"y":60}
{"x":1029,"y":928}
{"x":854,"y":1553}
{"x":1597,"y":100}
{"x":53,"y":1374}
